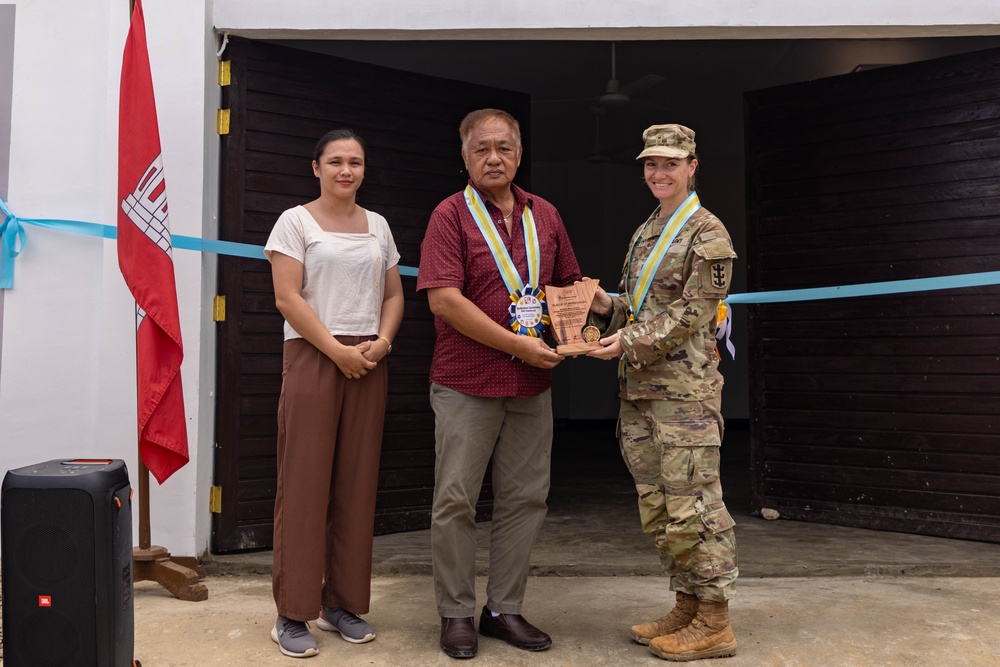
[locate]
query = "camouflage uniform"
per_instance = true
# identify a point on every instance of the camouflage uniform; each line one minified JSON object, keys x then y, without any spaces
{"x":670,"y":425}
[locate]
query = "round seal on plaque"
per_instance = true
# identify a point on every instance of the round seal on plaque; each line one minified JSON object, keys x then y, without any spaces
{"x":591,"y":334}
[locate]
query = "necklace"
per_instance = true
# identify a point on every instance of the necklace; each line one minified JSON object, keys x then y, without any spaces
{"x":500,"y":208}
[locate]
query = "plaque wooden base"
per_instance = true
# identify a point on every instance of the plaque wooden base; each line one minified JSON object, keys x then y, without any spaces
{"x":575,"y":349}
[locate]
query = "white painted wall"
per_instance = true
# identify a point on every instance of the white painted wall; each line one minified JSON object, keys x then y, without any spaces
{"x":67,"y":387}
{"x":645,"y":19}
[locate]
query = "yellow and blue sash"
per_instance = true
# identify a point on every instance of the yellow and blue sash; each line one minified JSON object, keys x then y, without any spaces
{"x":529,"y":314}
{"x":635,"y":298}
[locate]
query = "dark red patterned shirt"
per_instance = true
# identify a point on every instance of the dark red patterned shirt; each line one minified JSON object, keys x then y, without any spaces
{"x":455,"y":254}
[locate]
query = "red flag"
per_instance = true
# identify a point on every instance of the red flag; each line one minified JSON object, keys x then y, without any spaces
{"x":144,"y":256}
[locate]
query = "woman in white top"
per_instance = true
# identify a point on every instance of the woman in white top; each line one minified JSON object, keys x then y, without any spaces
{"x":337,"y":284}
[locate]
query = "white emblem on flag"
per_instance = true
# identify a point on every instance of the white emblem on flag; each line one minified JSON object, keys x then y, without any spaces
{"x":140,"y":316}
{"x":146,"y":207}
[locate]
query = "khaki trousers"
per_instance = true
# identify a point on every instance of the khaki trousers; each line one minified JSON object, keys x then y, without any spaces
{"x":329,"y":443}
{"x":470,"y":430}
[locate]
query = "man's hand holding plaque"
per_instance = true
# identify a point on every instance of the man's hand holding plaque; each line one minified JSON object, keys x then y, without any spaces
{"x":568,"y":310}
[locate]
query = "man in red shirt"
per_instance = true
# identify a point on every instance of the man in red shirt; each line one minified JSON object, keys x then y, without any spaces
{"x":485,"y":255}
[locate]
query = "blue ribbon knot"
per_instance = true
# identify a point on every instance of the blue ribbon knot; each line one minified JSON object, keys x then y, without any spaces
{"x":12,"y":240}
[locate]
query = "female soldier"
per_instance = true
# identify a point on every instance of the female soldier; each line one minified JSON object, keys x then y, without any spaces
{"x":662,"y":327}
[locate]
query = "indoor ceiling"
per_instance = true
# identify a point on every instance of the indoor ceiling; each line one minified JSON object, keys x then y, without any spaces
{"x":699,"y":83}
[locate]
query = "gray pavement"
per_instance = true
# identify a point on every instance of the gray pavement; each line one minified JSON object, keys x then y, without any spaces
{"x":809,"y":594}
{"x":779,"y":622}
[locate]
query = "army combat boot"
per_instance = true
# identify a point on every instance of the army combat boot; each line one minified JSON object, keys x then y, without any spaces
{"x":678,"y":618}
{"x":709,"y":635}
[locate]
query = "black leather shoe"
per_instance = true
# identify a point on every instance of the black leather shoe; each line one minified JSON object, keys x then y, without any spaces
{"x":458,"y":637}
{"x":513,"y":629}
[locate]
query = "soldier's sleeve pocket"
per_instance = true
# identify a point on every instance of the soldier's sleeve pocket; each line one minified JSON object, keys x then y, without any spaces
{"x":718,"y":520}
{"x":714,"y":249}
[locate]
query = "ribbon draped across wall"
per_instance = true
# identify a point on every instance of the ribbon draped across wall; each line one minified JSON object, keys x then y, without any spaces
{"x":13,"y":239}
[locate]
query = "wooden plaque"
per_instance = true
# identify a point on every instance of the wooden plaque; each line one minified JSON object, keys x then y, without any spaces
{"x":568,"y":310}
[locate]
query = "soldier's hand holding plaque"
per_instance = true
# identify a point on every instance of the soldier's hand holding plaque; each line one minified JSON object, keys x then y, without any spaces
{"x":568,"y":310}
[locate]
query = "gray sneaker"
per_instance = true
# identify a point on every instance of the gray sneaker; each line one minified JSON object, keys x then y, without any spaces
{"x":293,"y":638}
{"x":351,"y":627}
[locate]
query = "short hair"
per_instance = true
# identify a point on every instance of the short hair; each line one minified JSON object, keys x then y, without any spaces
{"x":473,"y":118}
{"x":337,"y":135}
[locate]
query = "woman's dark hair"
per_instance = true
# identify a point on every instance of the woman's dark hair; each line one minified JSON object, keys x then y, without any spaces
{"x":337,"y":135}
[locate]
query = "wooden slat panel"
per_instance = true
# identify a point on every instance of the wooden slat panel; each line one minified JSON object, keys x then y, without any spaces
{"x":858,"y":495}
{"x":864,"y":436}
{"x":943,"y":425}
{"x":878,"y":411}
{"x":897,"y":382}
{"x":282,"y":101}
{"x":870,"y":457}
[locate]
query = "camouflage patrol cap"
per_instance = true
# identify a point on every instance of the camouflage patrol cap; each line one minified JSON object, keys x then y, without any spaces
{"x":667,"y":141}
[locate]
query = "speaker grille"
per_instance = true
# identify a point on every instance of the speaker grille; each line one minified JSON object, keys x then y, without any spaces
{"x":49,"y":552}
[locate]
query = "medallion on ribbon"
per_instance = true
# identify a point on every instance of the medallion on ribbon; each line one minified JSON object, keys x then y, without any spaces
{"x":529,"y":314}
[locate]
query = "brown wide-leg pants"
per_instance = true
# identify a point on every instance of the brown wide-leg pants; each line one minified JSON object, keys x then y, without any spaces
{"x":329,"y":443}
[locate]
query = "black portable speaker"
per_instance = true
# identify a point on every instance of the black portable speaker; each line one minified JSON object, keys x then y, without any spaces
{"x":66,"y":546}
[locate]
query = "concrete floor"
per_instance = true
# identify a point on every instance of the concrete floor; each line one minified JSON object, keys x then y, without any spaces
{"x":809,"y":594}
{"x":779,"y":622}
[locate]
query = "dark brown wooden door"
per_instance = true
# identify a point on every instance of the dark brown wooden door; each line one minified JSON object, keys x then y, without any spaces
{"x":881,"y":412}
{"x":281,"y":101}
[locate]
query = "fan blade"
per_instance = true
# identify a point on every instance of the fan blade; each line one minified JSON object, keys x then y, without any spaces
{"x":641,"y":83}
{"x":563,"y":100}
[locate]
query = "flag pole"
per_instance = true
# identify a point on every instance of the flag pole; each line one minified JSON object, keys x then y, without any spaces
{"x":181,"y":575}
{"x":145,"y":540}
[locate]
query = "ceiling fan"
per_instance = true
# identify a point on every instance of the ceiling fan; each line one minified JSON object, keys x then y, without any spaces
{"x":615,"y":93}
{"x":601,"y":153}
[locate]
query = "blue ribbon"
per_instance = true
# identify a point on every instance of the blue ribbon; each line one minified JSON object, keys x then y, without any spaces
{"x":12,"y":241}
{"x":870,"y":289}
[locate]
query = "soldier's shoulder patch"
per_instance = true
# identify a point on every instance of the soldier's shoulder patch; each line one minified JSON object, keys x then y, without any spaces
{"x":715,"y":276}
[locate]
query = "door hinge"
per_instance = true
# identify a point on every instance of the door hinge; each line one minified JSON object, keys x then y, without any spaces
{"x":219,"y":308}
{"x":215,"y":499}
{"x":222,"y":121}
{"x":225,"y":77}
